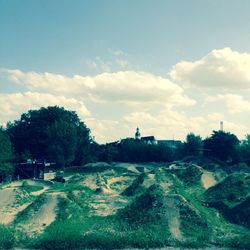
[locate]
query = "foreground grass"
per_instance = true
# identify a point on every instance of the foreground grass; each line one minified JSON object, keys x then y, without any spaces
{"x":7,"y":239}
{"x":101,"y":233}
{"x":31,"y":188}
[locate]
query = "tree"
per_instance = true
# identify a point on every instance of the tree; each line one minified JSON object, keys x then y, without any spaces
{"x":108,"y":152}
{"x":86,"y":147}
{"x":193,"y":145}
{"x":244,"y":150}
{"x":222,"y":145}
{"x":50,"y":133}
{"x":131,"y":150}
{"x":6,"y":156}
{"x":62,"y":142}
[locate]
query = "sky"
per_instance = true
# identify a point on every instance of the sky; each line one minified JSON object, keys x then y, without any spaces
{"x":170,"y":67}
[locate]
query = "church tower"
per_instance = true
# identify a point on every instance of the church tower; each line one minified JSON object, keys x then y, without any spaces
{"x":137,"y":134}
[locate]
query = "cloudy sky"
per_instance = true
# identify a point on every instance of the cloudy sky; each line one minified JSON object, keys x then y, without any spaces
{"x":169,"y":67}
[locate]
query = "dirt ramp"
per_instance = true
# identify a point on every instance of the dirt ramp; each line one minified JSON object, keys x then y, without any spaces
{"x":173,"y":216}
{"x":39,"y":216}
{"x":207,"y":179}
{"x":7,"y":199}
{"x":12,"y":201}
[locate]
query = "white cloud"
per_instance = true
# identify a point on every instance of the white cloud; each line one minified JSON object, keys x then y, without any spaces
{"x":118,"y":53}
{"x":165,"y":124}
{"x":170,"y":124}
{"x":216,"y":117}
{"x":127,"y":87}
{"x":234,"y":103}
{"x":158,"y":105}
{"x":13,"y":105}
{"x":100,"y":129}
{"x":223,"y":68}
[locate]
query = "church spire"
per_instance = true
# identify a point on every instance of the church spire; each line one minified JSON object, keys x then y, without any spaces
{"x":137,"y":134}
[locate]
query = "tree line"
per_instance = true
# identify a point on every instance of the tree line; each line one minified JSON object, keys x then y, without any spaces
{"x":58,"y":135}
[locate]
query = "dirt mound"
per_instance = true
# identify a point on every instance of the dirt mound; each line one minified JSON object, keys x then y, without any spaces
{"x":170,"y":212}
{"x":89,"y":168}
{"x":129,"y":167}
{"x":207,"y":179}
{"x":90,"y":182}
{"x":98,"y":165}
{"x":240,"y":213}
{"x":38,"y":216}
{"x":119,"y":183}
{"x":231,"y":198}
{"x":145,"y":208}
{"x":12,"y":201}
{"x":232,"y":190}
{"x":189,"y":174}
{"x":135,"y":186}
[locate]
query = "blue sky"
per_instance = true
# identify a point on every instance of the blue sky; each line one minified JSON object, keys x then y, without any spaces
{"x":120,"y":45}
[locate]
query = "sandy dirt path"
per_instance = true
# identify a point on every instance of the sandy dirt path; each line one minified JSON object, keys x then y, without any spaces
{"x":13,"y":199}
{"x":90,"y":182}
{"x":207,"y":179}
{"x":7,"y":199}
{"x":173,"y":216}
{"x":41,"y":218}
{"x":9,"y":206}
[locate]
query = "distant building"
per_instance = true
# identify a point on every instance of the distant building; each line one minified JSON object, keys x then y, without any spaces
{"x":125,"y":140}
{"x":170,"y":143}
{"x":152,"y":140}
{"x":149,"y":140}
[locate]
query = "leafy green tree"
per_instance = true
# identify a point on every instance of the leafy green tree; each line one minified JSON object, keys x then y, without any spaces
{"x":130,"y":150}
{"x":50,"y":133}
{"x":6,"y":156}
{"x":244,"y":150}
{"x":108,"y":152}
{"x":85,"y":146}
{"x":222,"y":145}
{"x":193,"y":145}
{"x":62,"y":142}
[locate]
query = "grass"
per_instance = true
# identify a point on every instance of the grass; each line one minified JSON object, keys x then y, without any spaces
{"x":7,"y":239}
{"x":99,"y":233}
{"x":31,"y":188}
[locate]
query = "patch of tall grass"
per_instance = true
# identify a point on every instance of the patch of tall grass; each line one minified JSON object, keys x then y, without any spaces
{"x":99,"y":233}
{"x":7,"y":239}
{"x":31,"y":188}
